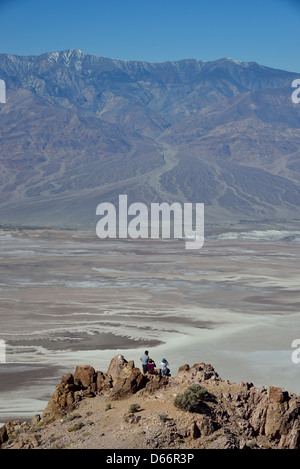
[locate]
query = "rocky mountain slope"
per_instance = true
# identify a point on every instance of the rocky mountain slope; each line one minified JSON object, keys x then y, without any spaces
{"x":78,"y":130}
{"x":122,"y":408}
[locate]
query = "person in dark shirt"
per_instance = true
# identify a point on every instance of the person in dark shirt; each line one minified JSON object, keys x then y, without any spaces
{"x":151,"y":365}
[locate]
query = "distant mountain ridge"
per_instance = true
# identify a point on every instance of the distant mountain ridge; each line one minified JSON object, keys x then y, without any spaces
{"x":78,"y":130}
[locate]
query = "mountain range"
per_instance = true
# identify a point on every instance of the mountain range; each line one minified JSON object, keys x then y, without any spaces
{"x":77,"y":130}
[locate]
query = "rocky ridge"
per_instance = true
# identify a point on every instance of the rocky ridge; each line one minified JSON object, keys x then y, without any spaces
{"x":122,"y":408}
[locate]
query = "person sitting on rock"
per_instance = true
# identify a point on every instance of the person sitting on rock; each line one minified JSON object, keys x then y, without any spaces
{"x":151,"y":365}
{"x":164,"y":367}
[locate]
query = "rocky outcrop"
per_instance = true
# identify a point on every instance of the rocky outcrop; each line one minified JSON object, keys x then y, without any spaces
{"x":85,"y":382}
{"x":121,"y":380}
{"x":232,"y":415}
{"x":64,"y":398}
{"x":256,"y":412}
{"x":198,"y":372}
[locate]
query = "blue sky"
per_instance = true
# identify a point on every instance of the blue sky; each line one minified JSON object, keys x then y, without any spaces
{"x":264,"y":31}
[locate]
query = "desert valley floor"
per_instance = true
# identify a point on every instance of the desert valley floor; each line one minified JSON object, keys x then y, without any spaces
{"x":69,"y":298}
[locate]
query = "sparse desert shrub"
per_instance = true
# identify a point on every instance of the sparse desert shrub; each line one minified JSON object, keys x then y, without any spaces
{"x":76,"y":427}
{"x":54,"y":437}
{"x":37,"y":426}
{"x":266,"y":446}
{"x":163,"y":417}
{"x":71,"y":417}
{"x":134,"y":408}
{"x":107,"y":407}
{"x":192,"y":398}
{"x":251,"y":444}
{"x":58,"y":446}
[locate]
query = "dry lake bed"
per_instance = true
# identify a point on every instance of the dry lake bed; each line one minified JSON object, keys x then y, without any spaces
{"x":69,"y":298}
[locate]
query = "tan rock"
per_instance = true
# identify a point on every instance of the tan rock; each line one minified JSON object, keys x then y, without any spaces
{"x":184,"y":368}
{"x":61,"y":402}
{"x":258,"y":419}
{"x":292,"y":439}
{"x":104,"y":382}
{"x":35,"y":420}
{"x":116,"y":366}
{"x":205,"y":425}
{"x":85,"y":376}
{"x":277,"y":394}
{"x":68,"y":379}
{"x":155,"y":382}
{"x":204,"y":371}
{"x":129,"y":385}
{"x":3,"y":435}
{"x":274,"y":417}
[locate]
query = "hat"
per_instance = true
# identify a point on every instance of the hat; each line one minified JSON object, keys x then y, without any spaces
{"x":164,"y":360}
{"x":146,"y":351}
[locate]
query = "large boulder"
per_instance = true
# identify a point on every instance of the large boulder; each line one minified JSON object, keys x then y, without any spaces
{"x":119,"y":368}
{"x":276,"y":394}
{"x":85,"y":376}
{"x":128,"y":385}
